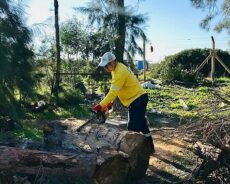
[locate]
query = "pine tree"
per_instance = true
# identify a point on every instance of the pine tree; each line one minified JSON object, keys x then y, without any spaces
{"x":15,"y":57}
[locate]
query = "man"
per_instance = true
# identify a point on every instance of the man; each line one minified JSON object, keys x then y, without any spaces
{"x":128,"y":89}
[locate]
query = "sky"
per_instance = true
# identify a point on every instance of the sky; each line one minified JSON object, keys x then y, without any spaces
{"x":172,"y":25}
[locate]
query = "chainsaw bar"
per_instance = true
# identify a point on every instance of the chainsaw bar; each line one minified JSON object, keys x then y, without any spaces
{"x":99,"y":119}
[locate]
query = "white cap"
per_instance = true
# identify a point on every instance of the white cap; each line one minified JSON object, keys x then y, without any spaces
{"x":107,"y":58}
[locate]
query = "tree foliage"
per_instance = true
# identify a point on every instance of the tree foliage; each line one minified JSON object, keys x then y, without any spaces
{"x":45,"y":65}
{"x":15,"y":54}
{"x":105,"y":15}
{"x":79,"y":40}
{"x":215,"y":8}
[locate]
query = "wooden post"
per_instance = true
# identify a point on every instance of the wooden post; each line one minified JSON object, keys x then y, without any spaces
{"x":203,"y":63}
{"x":213,"y":55}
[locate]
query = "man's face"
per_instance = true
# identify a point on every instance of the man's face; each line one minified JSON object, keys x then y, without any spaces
{"x":110,"y":67}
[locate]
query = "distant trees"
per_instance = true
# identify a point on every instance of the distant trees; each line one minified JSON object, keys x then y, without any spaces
{"x":79,"y":40}
{"x":81,"y":47}
{"x":15,"y":57}
{"x":74,"y":39}
{"x":123,"y":26}
{"x":222,"y":11}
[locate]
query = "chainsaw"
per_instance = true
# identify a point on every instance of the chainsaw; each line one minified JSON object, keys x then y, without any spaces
{"x":99,"y":117}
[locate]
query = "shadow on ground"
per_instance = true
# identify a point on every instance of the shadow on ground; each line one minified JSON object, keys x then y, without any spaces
{"x":173,"y":161}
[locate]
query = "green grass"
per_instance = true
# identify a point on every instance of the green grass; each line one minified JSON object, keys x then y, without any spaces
{"x":31,"y":133}
{"x":32,"y":124}
{"x":60,"y":112}
{"x":70,"y":103}
{"x":166,"y":101}
{"x":200,"y":100}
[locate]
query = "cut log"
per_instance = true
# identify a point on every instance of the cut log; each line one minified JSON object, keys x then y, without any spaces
{"x":111,"y":169}
{"x":105,"y":154}
{"x":91,"y":165}
{"x":33,"y":162}
{"x":135,"y":146}
{"x":99,"y":138}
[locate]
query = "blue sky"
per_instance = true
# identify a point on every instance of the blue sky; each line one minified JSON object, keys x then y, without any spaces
{"x":172,"y":26}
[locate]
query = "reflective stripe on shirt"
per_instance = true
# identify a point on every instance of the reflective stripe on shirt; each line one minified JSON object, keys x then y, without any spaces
{"x":115,"y":88}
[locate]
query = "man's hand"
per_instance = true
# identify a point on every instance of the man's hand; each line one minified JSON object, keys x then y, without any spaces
{"x":97,"y":108}
{"x":109,"y":106}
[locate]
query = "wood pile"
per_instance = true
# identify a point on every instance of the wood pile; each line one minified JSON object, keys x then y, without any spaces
{"x":212,"y":145}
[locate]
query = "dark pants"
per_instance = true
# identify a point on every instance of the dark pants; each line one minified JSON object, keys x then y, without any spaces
{"x":136,"y":116}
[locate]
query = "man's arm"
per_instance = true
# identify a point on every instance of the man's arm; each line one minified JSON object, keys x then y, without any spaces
{"x":116,"y":84}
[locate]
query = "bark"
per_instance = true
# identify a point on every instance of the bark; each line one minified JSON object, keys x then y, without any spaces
{"x":104,"y":167}
{"x":100,"y":138}
{"x":58,"y":57}
{"x":121,"y":29}
{"x":50,"y":163}
{"x":106,"y":154}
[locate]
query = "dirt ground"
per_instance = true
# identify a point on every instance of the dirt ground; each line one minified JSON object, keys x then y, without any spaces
{"x":173,"y":160}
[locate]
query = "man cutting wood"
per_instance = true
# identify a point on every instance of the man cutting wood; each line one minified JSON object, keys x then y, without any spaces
{"x":128,"y":89}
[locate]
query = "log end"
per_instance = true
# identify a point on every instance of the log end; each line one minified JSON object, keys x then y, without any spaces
{"x":114,"y":170}
{"x":135,"y":145}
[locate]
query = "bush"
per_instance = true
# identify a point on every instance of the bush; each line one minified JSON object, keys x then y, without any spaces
{"x":169,"y":73}
{"x":189,"y":77}
{"x":181,"y":66}
{"x":9,"y":106}
{"x":69,"y":98}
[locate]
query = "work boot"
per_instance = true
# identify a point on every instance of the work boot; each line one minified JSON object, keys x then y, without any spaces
{"x":150,"y":144}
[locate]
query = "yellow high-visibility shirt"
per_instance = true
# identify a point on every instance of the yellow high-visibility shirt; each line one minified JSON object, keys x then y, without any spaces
{"x":125,"y":85}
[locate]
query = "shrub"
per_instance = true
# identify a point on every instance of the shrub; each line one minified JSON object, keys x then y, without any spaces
{"x":171,"y":73}
{"x":69,"y":98}
{"x":181,"y":66}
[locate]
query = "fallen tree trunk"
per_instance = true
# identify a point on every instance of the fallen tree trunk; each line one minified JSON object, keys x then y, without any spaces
{"x":91,"y":165}
{"x":33,"y":161}
{"x":98,"y":138}
{"x":105,"y":153}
